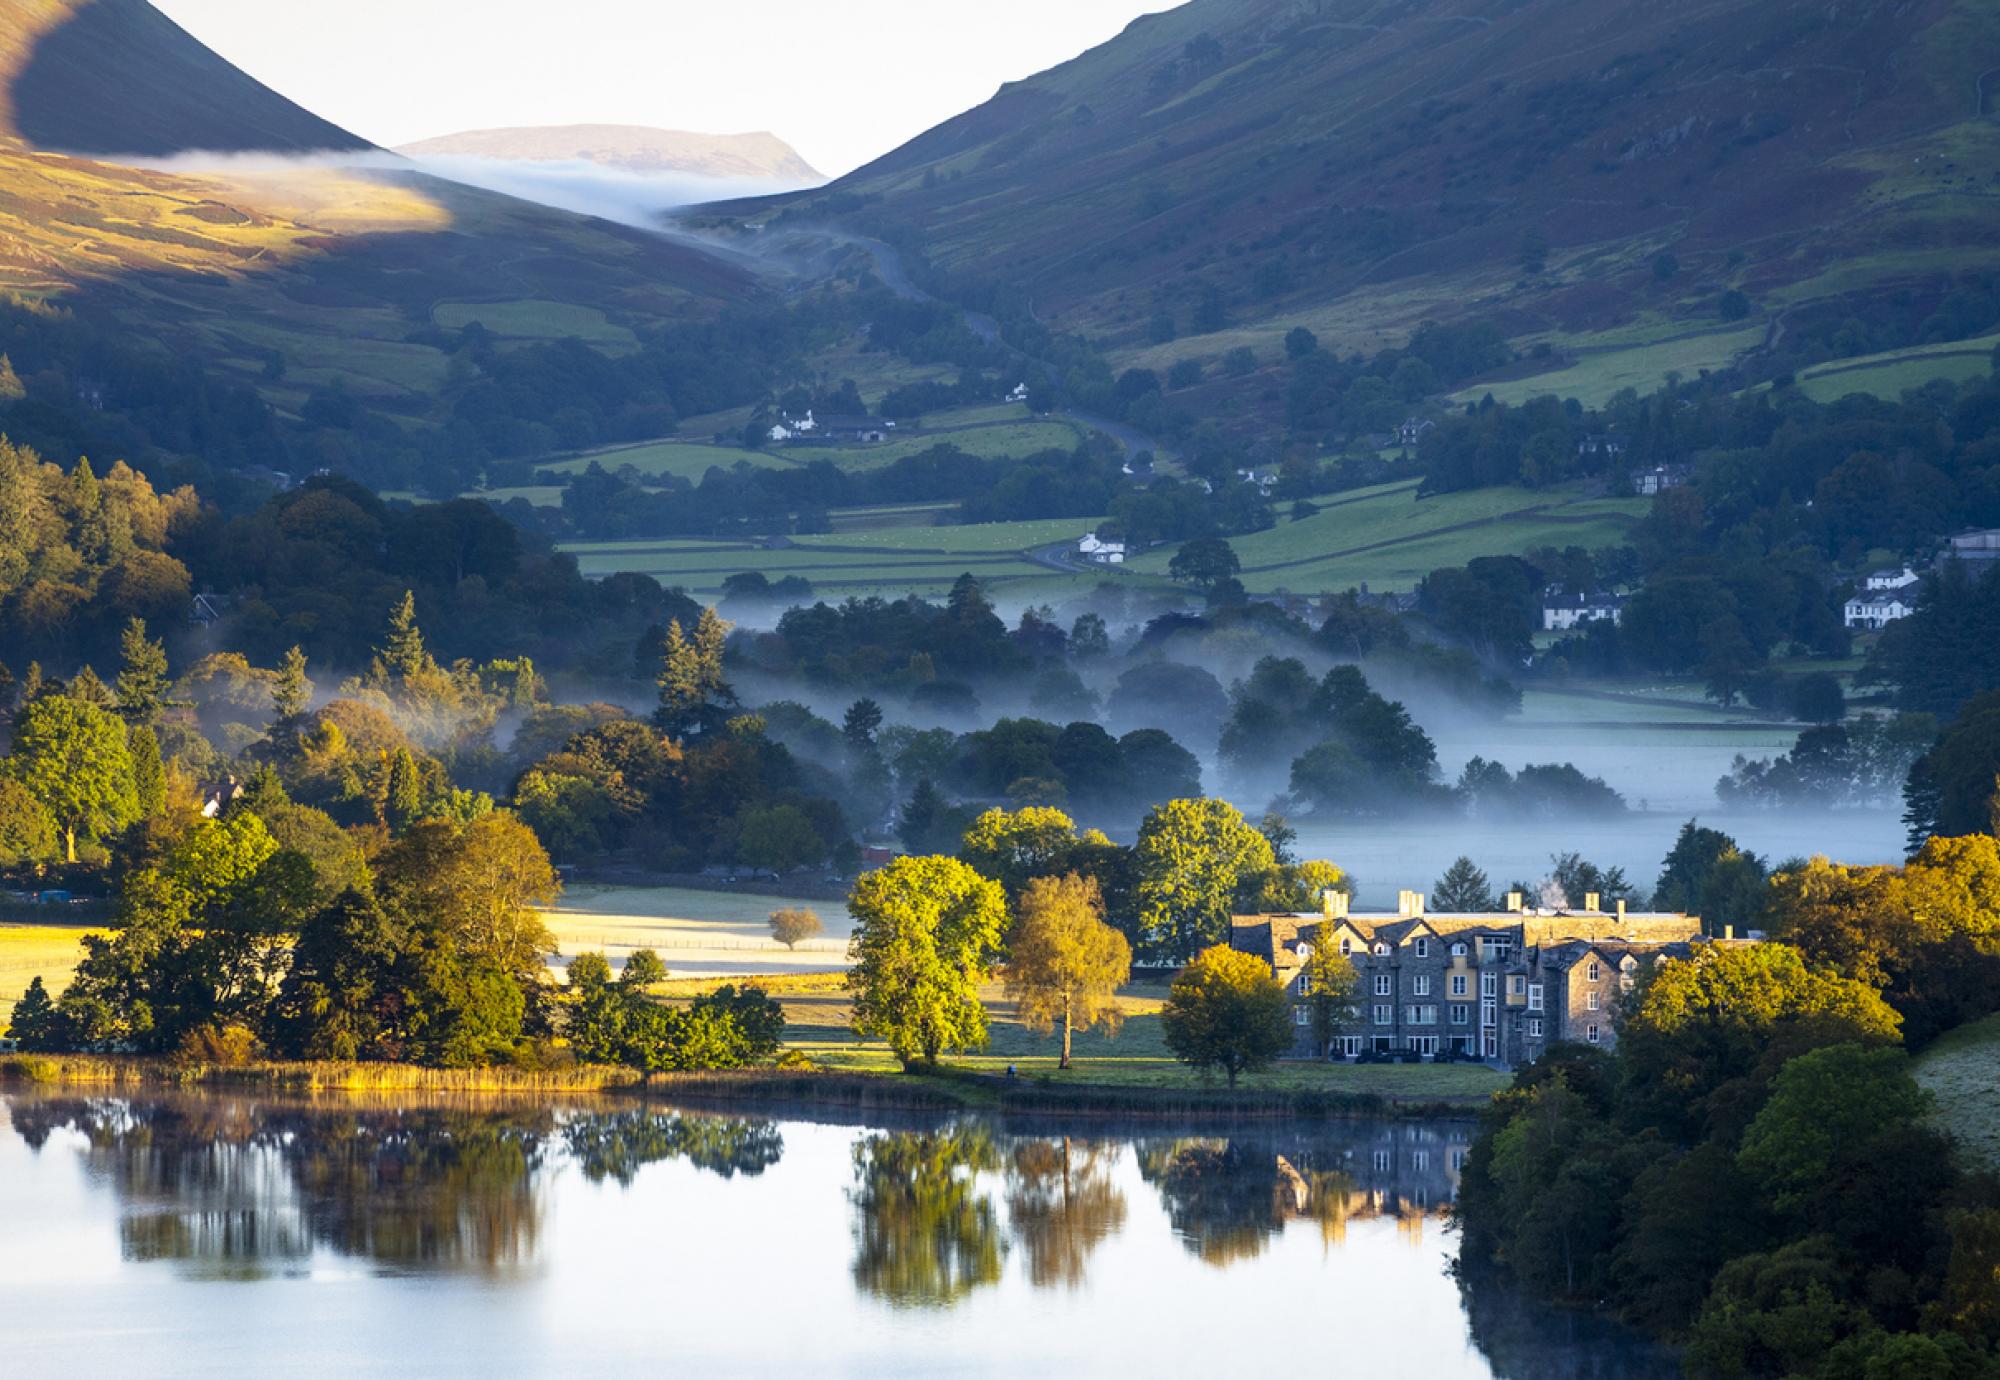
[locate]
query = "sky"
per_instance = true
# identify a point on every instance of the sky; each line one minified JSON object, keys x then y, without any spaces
{"x":842,"y":81}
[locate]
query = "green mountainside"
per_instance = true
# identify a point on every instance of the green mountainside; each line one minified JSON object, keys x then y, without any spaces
{"x":1222,"y":172}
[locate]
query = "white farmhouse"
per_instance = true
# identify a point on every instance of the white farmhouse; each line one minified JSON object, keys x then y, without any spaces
{"x":1093,"y":548}
{"x":1872,"y":610}
{"x":1563,"y":612}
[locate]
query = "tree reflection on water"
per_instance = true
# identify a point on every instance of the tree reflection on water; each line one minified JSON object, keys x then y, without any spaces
{"x":242,"y":1189}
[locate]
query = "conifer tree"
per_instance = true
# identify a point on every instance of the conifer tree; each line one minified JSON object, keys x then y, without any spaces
{"x":403,"y":653}
{"x":142,"y":679}
{"x":149,"y":772}
{"x":35,"y":1021}
{"x":292,"y":692}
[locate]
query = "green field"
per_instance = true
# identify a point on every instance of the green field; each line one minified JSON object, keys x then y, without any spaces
{"x":536,"y":320}
{"x":921,"y":558}
{"x":1962,"y":1072}
{"x":1391,"y":539}
{"x":1887,"y":375}
{"x":1604,"y":365}
{"x":688,"y":460}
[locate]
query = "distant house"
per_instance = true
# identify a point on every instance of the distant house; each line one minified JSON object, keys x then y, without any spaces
{"x":1873,"y":611}
{"x":1563,"y":611}
{"x":1603,"y":445}
{"x":1980,"y":550}
{"x":1265,"y":480}
{"x":264,"y":474}
{"x":217,"y":796}
{"x":867,"y":430}
{"x":1386,"y":603}
{"x":1891,"y":581}
{"x":1019,"y":394}
{"x":207,"y":609}
{"x":1140,"y":469}
{"x":1660,"y":478}
{"x":1094,"y":548}
{"x":1412,"y":430}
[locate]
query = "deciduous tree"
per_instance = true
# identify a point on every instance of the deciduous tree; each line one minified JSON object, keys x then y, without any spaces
{"x":1064,"y":964}
{"x":71,"y":755}
{"x":1192,"y":858}
{"x":925,"y":930}
{"x":791,"y":927}
{"x":1227,"y":1011}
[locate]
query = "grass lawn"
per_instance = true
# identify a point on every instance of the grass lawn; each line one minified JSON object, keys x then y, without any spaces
{"x":49,"y":952}
{"x":688,"y":460}
{"x":979,"y":538}
{"x":817,"y":1009}
{"x":1962,"y":1071}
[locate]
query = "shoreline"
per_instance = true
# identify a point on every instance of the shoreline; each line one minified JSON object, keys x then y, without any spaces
{"x":944,"y":1091}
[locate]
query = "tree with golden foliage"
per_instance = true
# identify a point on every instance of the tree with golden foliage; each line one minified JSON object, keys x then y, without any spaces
{"x":791,"y":926}
{"x":1064,"y":964}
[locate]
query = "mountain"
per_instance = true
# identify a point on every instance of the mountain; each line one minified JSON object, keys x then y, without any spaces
{"x":346,"y":269}
{"x":630,"y":148}
{"x":1232,"y":168}
{"x":118,"y":77}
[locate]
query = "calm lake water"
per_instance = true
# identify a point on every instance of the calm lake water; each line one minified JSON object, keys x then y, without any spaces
{"x":222,"y":1234}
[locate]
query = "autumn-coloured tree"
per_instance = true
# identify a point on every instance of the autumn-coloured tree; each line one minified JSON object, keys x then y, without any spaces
{"x":1064,"y":964}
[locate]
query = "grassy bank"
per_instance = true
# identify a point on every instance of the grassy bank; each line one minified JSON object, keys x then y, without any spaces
{"x":130,"y":1072}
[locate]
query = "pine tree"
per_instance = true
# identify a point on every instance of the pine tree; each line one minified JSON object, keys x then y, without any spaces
{"x":142,"y":680}
{"x":680,"y":682}
{"x":711,"y":637}
{"x":864,"y":717}
{"x":37,"y":1024}
{"x":88,"y":686}
{"x":1463,"y":888}
{"x":12,"y":390}
{"x":32,"y":685}
{"x":291,"y":693}
{"x":403,"y":652}
{"x":403,"y":795}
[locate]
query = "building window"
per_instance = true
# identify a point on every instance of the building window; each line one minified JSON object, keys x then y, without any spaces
{"x":1421,"y":985}
{"x":1382,"y":949}
{"x":1517,"y":985}
{"x":1489,"y":1014}
{"x":1458,"y":1161}
{"x":1384,"y":1161}
{"x":1424,"y":1044}
{"x":1385,"y":1015}
{"x":1458,"y":951}
{"x":1489,"y":1045}
{"x":1458,"y":984}
{"x":1495,"y":950}
{"x":1595,"y":1034}
{"x":1596,"y":1002}
{"x":1596,"y":971}
{"x":1305,"y":984}
{"x":1489,"y":985}
{"x":1461,"y":1015}
{"x":1423,"y":948}
{"x":1534,"y":996}
{"x":1421,"y":1015}
{"x":1534,"y":1027}
{"x":1346,"y":945}
{"x":1385,"y":985}
{"x":1420,"y":1160}
{"x":1302,"y":1015}
{"x":1350,"y":1046}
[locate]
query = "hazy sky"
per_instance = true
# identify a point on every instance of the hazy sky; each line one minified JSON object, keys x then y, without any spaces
{"x":841,"y":80}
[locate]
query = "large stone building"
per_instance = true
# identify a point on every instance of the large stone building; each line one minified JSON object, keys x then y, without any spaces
{"x":1500,"y":986}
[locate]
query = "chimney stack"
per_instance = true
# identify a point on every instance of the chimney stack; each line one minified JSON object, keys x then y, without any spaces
{"x":1513,"y":903}
{"x":1729,"y":931}
{"x":1333,"y":904}
{"x":1621,"y":908}
{"x":1590,"y":901}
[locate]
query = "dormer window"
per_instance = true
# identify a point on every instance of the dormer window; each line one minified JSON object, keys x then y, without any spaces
{"x":1346,"y":945}
{"x":1381,"y":948}
{"x":1458,"y":951}
{"x":1423,"y":947}
{"x":1304,"y":951}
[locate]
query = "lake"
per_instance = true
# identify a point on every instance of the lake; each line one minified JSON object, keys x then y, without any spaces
{"x":169,"y":1235}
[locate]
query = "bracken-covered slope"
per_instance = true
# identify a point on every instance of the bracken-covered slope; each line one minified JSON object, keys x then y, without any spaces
{"x":119,"y":77}
{"x":631,"y":148}
{"x":1359,"y":164}
{"x":292,"y":272}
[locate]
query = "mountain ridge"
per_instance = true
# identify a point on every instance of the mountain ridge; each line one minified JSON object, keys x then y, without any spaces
{"x":630,"y":148}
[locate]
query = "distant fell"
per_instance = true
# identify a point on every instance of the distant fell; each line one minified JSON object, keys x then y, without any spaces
{"x":108,"y":77}
{"x":632,"y":148}
{"x":1559,"y":166}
